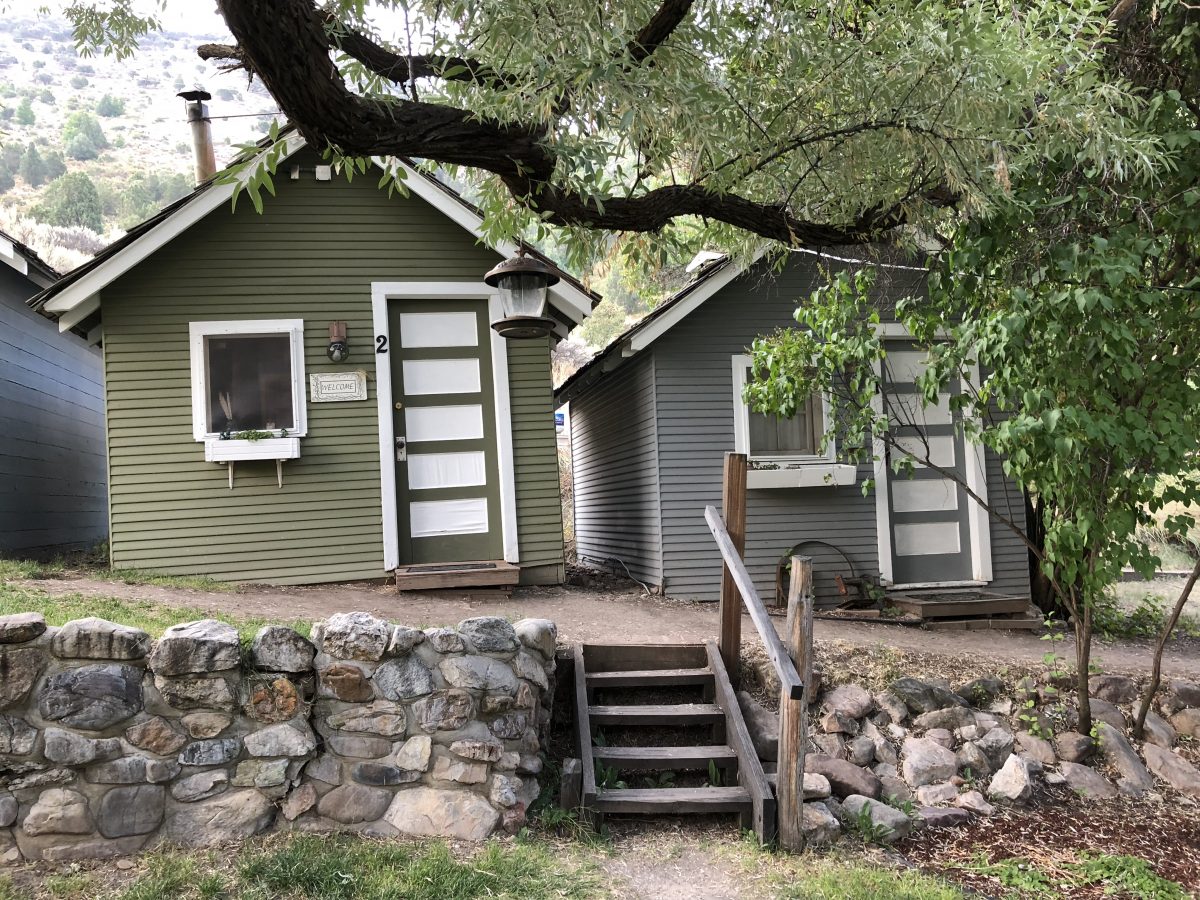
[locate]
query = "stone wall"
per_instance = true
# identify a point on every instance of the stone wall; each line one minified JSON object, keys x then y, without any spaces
{"x":110,"y":742}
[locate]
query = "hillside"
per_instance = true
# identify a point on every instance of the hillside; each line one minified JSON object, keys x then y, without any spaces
{"x":140,"y":158}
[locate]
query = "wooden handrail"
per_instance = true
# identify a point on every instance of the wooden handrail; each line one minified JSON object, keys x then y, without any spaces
{"x":785,"y":669}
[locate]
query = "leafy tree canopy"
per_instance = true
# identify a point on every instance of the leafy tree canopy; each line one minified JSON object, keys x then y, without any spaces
{"x":801,"y":124}
{"x":86,"y":125}
{"x":110,"y":106}
{"x":71,"y":200}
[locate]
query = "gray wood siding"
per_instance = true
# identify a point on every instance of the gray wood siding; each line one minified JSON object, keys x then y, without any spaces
{"x":1010,"y":559}
{"x":616,"y":472}
{"x":312,"y":254}
{"x":53,"y":494}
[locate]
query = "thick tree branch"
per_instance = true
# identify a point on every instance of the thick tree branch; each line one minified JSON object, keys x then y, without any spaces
{"x":658,"y":29}
{"x":292,"y":59}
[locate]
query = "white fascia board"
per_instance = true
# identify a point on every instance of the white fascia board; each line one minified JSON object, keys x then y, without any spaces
{"x":573,"y":302}
{"x":13,"y":257}
{"x":685,"y":307}
{"x":78,"y":313}
{"x":158,"y":236}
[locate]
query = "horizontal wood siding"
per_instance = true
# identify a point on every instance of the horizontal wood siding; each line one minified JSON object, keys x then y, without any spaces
{"x":1010,"y":559}
{"x":539,"y":499}
{"x":53,"y":495}
{"x":694,"y":378}
{"x":616,"y":475}
{"x":312,"y":254}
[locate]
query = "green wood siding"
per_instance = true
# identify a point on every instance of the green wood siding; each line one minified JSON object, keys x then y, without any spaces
{"x":312,"y":254}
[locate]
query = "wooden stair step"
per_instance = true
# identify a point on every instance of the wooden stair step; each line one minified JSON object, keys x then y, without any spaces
{"x":666,"y":757}
{"x":651,"y":714}
{"x":649,"y":678}
{"x":672,"y":801}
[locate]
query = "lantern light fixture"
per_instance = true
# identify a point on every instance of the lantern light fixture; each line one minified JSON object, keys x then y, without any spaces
{"x":339,"y":348}
{"x":523,"y":283}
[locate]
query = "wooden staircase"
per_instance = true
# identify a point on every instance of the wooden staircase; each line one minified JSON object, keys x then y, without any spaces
{"x":640,"y":675}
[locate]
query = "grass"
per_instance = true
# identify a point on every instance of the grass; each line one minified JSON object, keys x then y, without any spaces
{"x":1125,"y":876}
{"x":91,"y":567}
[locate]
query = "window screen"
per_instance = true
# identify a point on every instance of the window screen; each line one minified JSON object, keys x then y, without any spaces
{"x":798,"y":436}
{"x":249,"y":382}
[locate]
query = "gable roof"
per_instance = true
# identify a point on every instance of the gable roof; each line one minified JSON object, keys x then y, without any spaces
{"x":22,"y":258}
{"x":76,"y":295}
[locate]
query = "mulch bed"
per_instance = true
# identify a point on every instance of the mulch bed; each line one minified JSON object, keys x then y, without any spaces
{"x":1052,"y":830}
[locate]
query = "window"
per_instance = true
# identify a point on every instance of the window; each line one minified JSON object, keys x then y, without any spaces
{"x":759,"y":435}
{"x":247,"y":376}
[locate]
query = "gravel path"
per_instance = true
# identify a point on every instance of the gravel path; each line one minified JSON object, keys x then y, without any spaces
{"x":615,"y":615}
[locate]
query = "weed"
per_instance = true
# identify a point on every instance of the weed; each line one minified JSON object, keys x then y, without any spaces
{"x":1126,"y":874}
{"x":606,"y":778}
{"x":75,"y":885}
{"x":905,"y":806}
{"x":1016,"y":872}
{"x":661,"y":780}
{"x":869,"y":830}
{"x":715,"y":778}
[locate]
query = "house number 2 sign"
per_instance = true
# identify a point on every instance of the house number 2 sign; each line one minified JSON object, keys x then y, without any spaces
{"x":338,"y":387}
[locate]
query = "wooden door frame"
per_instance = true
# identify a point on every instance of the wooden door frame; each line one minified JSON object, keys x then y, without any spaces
{"x":381,"y":293}
{"x":975,"y":464}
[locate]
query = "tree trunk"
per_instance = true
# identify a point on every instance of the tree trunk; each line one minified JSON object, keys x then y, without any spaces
{"x":1082,"y":621}
{"x":1040,"y":587}
{"x":1156,"y":671}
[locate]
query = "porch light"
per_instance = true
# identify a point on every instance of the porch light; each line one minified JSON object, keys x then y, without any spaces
{"x":339,"y":349}
{"x":523,"y":282}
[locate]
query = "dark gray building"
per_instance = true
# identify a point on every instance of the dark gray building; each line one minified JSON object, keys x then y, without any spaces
{"x":653,"y":415}
{"x":53,"y":487}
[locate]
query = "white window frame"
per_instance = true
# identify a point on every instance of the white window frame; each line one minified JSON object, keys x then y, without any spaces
{"x":198,"y":331}
{"x":741,"y":424}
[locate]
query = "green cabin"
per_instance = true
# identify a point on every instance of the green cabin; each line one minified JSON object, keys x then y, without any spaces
{"x":243,"y":445}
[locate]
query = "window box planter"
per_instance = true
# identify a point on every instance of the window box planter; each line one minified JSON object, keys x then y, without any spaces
{"x":800,"y":476}
{"x":239,"y":450}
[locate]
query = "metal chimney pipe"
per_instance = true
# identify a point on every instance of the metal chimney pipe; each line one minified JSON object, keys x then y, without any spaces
{"x":202,"y":145}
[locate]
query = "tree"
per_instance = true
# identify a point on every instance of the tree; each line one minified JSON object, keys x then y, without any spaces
{"x":25,"y":114}
{"x":110,"y":106}
{"x":7,"y":182}
{"x":1078,"y":297}
{"x":79,"y":82}
{"x":55,"y":165}
{"x":801,"y":125}
{"x":85,"y":124}
{"x":607,"y":321}
{"x":81,"y":147}
{"x":33,"y":168}
{"x":71,"y":200}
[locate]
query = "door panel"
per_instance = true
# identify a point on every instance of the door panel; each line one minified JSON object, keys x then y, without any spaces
{"x":929,"y":512}
{"x":448,"y":482}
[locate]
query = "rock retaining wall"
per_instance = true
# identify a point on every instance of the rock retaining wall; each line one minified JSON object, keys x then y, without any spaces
{"x":110,"y":741}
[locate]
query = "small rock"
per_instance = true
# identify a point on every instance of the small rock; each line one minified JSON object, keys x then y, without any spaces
{"x":380,"y":717}
{"x":132,"y":770}
{"x":818,"y":824}
{"x":538,"y":634}
{"x":1187,"y":721}
{"x":927,"y":762}
{"x":403,"y":640}
{"x":204,"y":724}
{"x":196,"y":647}
{"x":17,"y":737}
{"x":528,"y":667}
{"x":480,"y":673}
{"x":298,"y":802}
{"x":447,"y":769}
{"x":381,"y":774}
{"x":1073,"y":746}
{"x":414,"y":754}
{"x":861,"y":751}
{"x":196,"y":693}
{"x":850,"y":700}
{"x":510,"y":726}
{"x":58,"y":811}
{"x":1179,"y":695}
{"x":889,"y":703}
{"x":1012,"y":782}
{"x":70,"y":749}
{"x":358,"y":746}
{"x":941,"y":737}
{"x":1039,"y":748}
{"x":816,"y":786}
{"x":127,"y":811}
{"x":932,"y":817}
{"x":406,"y":678}
{"x":950,"y":718}
{"x":1103,"y":711}
{"x":92,"y":697}
{"x":282,"y":740}
{"x":352,"y":804}
{"x":1087,"y":782}
{"x":935,"y":794}
{"x":981,"y":691}
{"x":277,"y":648}
{"x":18,"y":628}
{"x":1113,"y":688}
{"x":895,"y":790}
{"x":997,"y":746}
{"x":200,"y":786}
{"x":210,"y":753}
{"x":8,"y":808}
{"x":844,"y":777}
{"x":922,"y":697}
{"x":99,"y":639}
{"x":973,"y":801}
{"x":445,"y":640}
{"x":232,"y":816}
{"x":503,"y":791}
{"x":443,"y":711}
{"x":967,"y":733}
{"x":1173,"y":769}
{"x":972,"y":761}
{"x":1134,"y":780}
{"x":1159,"y":731}
{"x":345,"y":682}
{"x":489,"y":634}
{"x":356,"y":635}
{"x":481,"y":751}
{"x":892,"y":823}
{"x":327,"y":769}
{"x":273,"y":701}
{"x":19,"y":669}
{"x":837,"y":722}
{"x":830,"y":744}
{"x":430,"y":812}
{"x":156,"y":735}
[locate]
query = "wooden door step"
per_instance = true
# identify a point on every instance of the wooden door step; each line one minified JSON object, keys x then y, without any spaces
{"x":673,"y":801}
{"x":649,"y":678}
{"x":652,"y":714}
{"x":666,"y":758}
{"x":954,"y":604}
{"x":472,"y":574}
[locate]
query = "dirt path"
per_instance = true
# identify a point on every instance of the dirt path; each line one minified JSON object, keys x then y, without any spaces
{"x":615,"y":616}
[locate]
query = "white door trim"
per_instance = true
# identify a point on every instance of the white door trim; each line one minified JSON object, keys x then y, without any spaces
{"x":381,"y":293}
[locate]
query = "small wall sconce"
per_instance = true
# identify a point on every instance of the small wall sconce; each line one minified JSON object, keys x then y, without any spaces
{"x":339,"y":349}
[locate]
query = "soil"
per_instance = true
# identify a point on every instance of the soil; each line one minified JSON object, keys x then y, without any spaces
{"x":613,"y":611}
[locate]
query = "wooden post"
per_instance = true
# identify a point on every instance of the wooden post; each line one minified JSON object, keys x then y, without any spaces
{"x":733,"y":511}
{"x":570,"y":791}
{"x":793,"y":714}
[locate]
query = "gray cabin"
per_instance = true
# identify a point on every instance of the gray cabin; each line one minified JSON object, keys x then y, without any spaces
{"x":53,"y":492}
{"x":652,"y":417}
